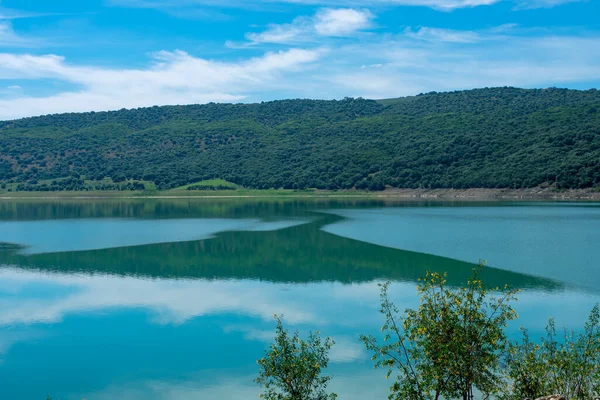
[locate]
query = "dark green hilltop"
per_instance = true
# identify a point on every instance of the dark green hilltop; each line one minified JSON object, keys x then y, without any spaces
{"x":483,"y":138}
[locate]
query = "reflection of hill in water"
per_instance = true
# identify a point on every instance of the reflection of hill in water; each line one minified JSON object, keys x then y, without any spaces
{"x":299,"y":254}
{"x":27,"y":210}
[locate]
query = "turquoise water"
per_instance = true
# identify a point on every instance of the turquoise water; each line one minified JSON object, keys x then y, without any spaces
{"x":540,"y":240}
{"x":174,"y":299}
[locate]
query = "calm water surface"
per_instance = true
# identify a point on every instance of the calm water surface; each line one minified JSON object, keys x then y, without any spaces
{"x":174,"y":299}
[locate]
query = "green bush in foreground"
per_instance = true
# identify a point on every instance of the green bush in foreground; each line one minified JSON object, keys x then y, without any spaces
{"x":570,"y":366}
{"x":452,"y":346}
{"x":291,"y":368}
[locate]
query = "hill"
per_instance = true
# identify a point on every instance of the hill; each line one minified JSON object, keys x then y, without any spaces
{"x":485,"y":138}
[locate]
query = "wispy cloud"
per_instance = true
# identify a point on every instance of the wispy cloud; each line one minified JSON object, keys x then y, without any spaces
{"x":299,"y":30}
{"x":445,"y":5}
{"x":401,"y":65}
{"x":442,"y":35}
{"x":326,"y":22}
{"x":442,"y":5}
{"x":353,"y":384}
{"x":341,"y":22}
{"x":327,"y":56}
{"x":409,"y":66}
{"x":10,"y":38}
{"x":167,"y":80}
{"x":11,"y":91}
{"x":533,"y":4}
{"x":7,"y":13}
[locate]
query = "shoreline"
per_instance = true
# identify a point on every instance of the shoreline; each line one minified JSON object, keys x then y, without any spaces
{"x":498,"y":194}
{"x":474,"y":194}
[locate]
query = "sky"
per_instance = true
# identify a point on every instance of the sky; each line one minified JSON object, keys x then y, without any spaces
{"x":74,"y":55}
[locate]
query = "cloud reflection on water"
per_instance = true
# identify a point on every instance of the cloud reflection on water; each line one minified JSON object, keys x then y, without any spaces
{"x":35,"y":304}
{"x":359,"y":384}
{"x":175,"y":301}
{"x":53,"y":236}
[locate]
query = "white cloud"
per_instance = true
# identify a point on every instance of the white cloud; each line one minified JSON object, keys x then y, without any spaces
{"x":11,"y":91}
{"x":9,"y":38}
{"x":356,"y":383}
{"x":345,"y":350}
{"x":503,"y":28}
{"x":286,"y":33}
{"x":110,"y":233}
{"x":172,"y":78}
{"x":7,"y":34}
{"x":172,"y":302}
{"x":342,"y":311}
{"x":444,"y":5}
{"x":430,"y":34}
{"x":6,"y":13}
{"x":341,"y":22}
{"x":333,"y":308}
{"x":326,"y":22}
{"x":412,"y":66}
{"x":372,"y":66}
{"x":311,"y":306}
{"x":443,"y":35}
{"x":441,"y":5}
{"x":532,"y":4}
{"x":9,"y":13}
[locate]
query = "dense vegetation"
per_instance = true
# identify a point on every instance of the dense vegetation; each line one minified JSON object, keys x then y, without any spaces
{"x":491,"y":138}
{"x":453,"y":346}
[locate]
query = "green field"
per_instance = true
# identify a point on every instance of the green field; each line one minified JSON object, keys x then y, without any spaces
{"x":208,"y":183}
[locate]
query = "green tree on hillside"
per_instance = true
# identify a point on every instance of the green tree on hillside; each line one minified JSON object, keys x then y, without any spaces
{"x":484,"y":138}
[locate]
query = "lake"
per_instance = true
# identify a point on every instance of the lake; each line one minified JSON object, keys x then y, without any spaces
{"x":174,"y":299}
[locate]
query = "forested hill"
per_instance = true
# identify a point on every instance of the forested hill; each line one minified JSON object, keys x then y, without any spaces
{"x":488,"y":138}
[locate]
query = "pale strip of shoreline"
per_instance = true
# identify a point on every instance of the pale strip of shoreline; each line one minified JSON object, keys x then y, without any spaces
{"x":390,"y":194}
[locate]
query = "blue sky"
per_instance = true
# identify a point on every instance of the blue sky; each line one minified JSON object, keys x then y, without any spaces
{"x":74,"y":55}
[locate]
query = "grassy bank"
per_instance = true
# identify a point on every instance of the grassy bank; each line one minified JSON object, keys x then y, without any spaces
{"x":183,"y":193}
{"x":429,"y":194}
